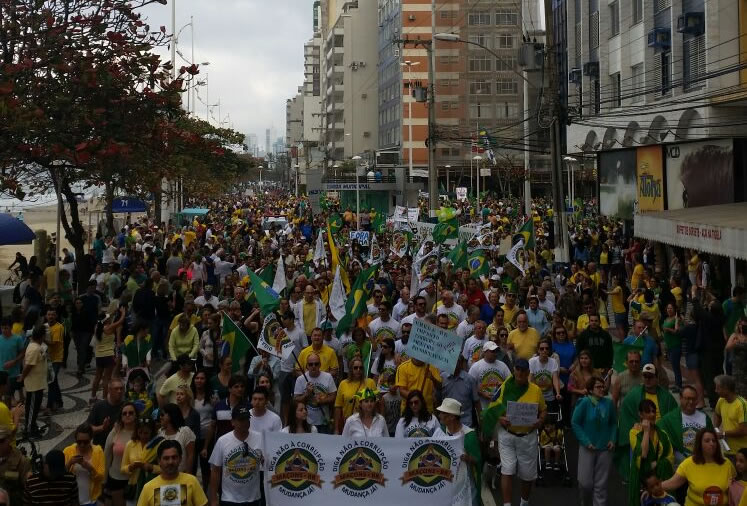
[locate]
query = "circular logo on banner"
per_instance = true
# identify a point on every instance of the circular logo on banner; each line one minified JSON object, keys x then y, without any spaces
{"x":296,"y":472}
{"x":275,"y":335}
{"x":428,"y":466}
{"x":712,"y":496}
{"x":359,"y":470}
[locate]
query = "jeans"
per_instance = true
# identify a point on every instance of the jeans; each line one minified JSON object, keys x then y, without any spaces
{"x":82,"y":339}
{"x":593,"y":473}
{"x":54,"y":394}
{"x":33,"y":405}
{"x":675,"y":358}
{"x":158,"y":331}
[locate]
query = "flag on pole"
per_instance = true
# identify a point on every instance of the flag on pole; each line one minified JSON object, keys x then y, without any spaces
{"x":527,"y":232}
{"x":621,"y":353}
{"x":268,"y":274}
{"x":273,"y":339}
{"x":446,"y":230}
{"x":238,"y":344}
{"x":478,"y":263}
{"x":379,"y":222}
{"x":334,"y":223}
{"x":337,"y":297}
{"x":458,"y":256}
{"x":280,"y":283}
{"x":267,"y":298}
{"x":336,"y":258}
{"x":319,"y":254}
{"x":374,"y":253}
{"x":357,"y":303}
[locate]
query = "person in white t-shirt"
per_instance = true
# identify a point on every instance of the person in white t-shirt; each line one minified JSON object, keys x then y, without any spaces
{"x":318,"y":391}
{"x":420,"y":312}
{"x":544,"y":372}
{"x":384,"y":326}
{"x":489,"y":373}
{"x":417,"y":421}
{"x":454,"y":311}
{"x":287,"y":378}
{"x":236,"y":462}
{"x":263,"y":420}
{"x":400,"y":308}
{"x":467,"y":326}
{"x":472,"y":349}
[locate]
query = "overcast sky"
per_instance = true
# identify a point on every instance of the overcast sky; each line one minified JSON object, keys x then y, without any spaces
{"x":255,"y":50}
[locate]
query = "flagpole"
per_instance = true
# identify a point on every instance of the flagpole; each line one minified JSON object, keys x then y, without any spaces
{"x":242,"y":332}
{"x":299,"y":365}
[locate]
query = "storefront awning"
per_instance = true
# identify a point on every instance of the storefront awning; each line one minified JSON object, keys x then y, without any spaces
{"x":720,"y":230}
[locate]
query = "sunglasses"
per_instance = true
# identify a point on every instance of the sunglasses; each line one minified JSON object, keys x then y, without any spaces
{"x":357,"y":367}
{"x":543,"y":348}
{"x":83,"y":442}
{"x":313,"y":364}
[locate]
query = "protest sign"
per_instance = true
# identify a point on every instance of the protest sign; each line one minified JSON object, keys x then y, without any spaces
{"x":323,"y":470}
{"x":273,"y":338}
{"x":461,"y":193}
{"x":434,"y":345}
{"x":522,"y":414}
{"x":363,"y":237}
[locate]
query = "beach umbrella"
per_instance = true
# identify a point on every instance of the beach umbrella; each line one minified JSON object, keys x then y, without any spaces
{"x":14,"y":231}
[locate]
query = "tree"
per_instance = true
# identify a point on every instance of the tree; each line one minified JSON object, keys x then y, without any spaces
{"x":85,"y":102}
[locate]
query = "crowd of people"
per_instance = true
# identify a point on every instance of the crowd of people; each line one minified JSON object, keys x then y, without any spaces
{"x":598,"y":344}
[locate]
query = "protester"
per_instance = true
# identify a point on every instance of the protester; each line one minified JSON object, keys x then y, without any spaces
{"x":730,"y":414}
{"x":169,"y":462}
{"x":367,"y":422}
{"x":174,"y":428}
{"x":450,"y":414}
{"x":53,"y":485}
{"x":86,"y":461}
{"x":14,"y":468}
{"x":417,"y":421}
{"x":114,"y":448}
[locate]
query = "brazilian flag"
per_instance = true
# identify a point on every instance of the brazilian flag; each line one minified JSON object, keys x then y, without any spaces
{"x":268,"y":274}
{"x":267,"y":298}
{"x":236,"y":342}
{"x":379,"y":223}
{"x":477,"y":262}
{"x":527,"y":232}
{"x":458,"y":256}
{"x":509,"y":285}
{"x":335,"y":223}
{"x":357,"y":303}
{"x":446,"y":230}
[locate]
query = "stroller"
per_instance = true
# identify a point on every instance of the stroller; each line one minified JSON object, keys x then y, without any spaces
{"x":557,"y":470}
{"x":140,"y":391}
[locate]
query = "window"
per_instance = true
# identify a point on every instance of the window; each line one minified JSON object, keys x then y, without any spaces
{"x":481,"y":111}
{"x":507,"y":111}
{"x":479,"y":87}
{"x":505,"y":64}
{"x":479,"y":18}
{"x":695,"y":62}
{"x":505,"y":41}
{"x":614,"y":18}
{"x":447,"y":14}
{"x":666,"y":72}
{"x":597,"y":97}
{"x":506,"y":87}
{"x":637,"y":11}
{"x":616,"y":99}
{"x":506,"y":17}
{"x":479,"y":38}
{"x":479,"y":63}
{"x":637,"y":83}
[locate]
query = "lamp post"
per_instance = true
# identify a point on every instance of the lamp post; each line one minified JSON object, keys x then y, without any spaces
{"x":453,"y":37}
{"x":335,"y":166}
{"x":260,"y":176}
{"x":409,"y":64}
{"x":357,"y":159}
{"x":296,"y":166}
{"x":448,"y":169}
{"x":477,"y":159}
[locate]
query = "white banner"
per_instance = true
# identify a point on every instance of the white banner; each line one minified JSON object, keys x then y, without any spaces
{"x":461,"y":193}
{"x":273,"y":338}
{"x":322,"y":470}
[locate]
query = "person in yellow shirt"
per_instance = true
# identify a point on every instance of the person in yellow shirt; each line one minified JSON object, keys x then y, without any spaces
{"x":638,"y":271}
{"x":730,"y":414}
{"x":583,"y":321}
{"x":417,"y":375}
{"x":86,"y":461}
{"x":523,"y":339}
{"x":56,"y":333}
{"x":345,"y":400}
{"x":326,"y":354}
{"x":676,"y":291}
{"x":692,"y":267}
{"x":510,"y":309}
{"x":617,"y":294}
{"x":179,"y":488}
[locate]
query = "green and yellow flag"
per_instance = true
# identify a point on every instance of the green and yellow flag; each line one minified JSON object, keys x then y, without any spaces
{"x":236,"y":344}
{"x":621,"y":353}
{"x":357,"y":303}
{"x":458,"y":256}
{"x":446,"y":230}
{"x":527,"y":232}
{"x":379,"y":223}
{"x":336,"y":257}
{"x":267,"y":298}
{"x":334,"y":223}
{"x":477,"y":262}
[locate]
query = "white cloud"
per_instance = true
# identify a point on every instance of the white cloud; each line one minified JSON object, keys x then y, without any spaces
{"x":255,"y":50}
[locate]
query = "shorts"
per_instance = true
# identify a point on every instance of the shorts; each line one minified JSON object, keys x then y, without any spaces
{"x":691,"y":361}
{"x":113,"y":485}
{"x":551,"y":447}
{"x":518,"y":454}
{"x":104,"y":362}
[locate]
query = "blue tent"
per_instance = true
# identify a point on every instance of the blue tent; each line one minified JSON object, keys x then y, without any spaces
{"x":14,"y":231}
{"x":193,"y":211}
{"x":128,"y":205}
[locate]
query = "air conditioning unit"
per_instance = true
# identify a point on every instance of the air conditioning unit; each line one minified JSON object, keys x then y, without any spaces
{"x":660,"y":38}
{"x":411,"y":17}
{"x":691,"y":22}
{"x":366,"y":134}
{"x":574,"y":76}
{"x":591,"y":69}
{"x":364,"y":95}
{"x":396,"y":52}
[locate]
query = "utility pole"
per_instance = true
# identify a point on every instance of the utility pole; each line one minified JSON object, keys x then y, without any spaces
{"x":432,"y":171}
{"x":557,"y":116}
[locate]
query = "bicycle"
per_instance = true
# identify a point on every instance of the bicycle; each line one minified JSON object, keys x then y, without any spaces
{"x":13,"y":278}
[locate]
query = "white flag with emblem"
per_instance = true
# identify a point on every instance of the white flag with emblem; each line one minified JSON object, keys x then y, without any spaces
{"x":279,"y":283}
{"x":337,"y":297}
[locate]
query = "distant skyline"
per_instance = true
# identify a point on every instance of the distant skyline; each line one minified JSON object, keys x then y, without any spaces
{"x":255,"y":51}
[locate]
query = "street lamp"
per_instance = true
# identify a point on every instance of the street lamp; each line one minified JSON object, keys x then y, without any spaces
{"x":335,"y":166}
{"x":409,"y":65}
{"x":571,"y":161}
{"x":296,"y":166}
{"x":260,"y":176}
{"x":453,"y":37}
{"x":356,"y":159}
{"x":477,"y":159}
